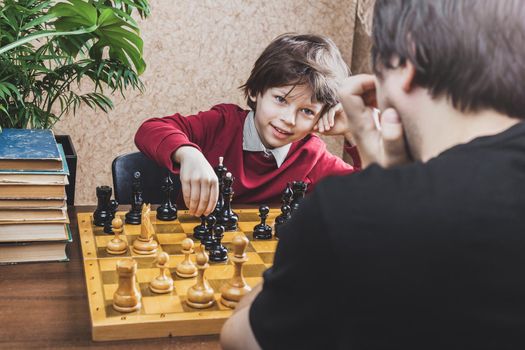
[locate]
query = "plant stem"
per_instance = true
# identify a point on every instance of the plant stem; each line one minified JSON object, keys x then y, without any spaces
{"x":32,"y":37}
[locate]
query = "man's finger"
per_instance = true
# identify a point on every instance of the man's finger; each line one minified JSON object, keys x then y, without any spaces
{"x":357,"y":85}
{"x":393,"y":141}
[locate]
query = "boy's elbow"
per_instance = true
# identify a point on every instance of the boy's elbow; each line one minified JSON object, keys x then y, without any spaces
{"x":142,"y":135}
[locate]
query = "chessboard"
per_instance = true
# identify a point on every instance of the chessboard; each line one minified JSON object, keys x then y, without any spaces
{"x":164,"y":315}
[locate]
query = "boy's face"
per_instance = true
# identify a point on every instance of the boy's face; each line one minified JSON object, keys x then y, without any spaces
{"x":285,"y":114}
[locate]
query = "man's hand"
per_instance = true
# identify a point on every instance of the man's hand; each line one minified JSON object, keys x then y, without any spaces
{"x":200,"y":186}
{"x":384,"y":145}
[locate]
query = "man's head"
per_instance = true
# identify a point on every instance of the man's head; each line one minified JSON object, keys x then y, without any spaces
{"x":293,"y":82}
{"x":469,"y":51}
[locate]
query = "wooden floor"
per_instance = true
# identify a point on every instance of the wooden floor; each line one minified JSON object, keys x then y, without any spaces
{"x":44,"y":305}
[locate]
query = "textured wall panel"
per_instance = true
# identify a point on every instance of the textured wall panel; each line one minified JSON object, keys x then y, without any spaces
{"x":198,"y":52}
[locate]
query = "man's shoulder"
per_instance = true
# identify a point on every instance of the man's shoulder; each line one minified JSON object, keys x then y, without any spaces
{"x":374,"y":188}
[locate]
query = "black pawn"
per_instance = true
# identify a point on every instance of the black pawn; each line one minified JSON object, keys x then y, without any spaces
{"x":218,"y":252}
{"x":103,"y":210}
{"x":134,"y":215}
{"x":113,"y":205}
{"x":167,"y":211}
{"x":207,"y":239}
{"x":281,"y":219}
{"x":262,"y":230}
{"x":200,"y":230}
{"x":299,"y":190}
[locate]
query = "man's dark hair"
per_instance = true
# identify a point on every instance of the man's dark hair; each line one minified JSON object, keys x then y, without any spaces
{"x":472,"y":51}
{"x":292,"y":59}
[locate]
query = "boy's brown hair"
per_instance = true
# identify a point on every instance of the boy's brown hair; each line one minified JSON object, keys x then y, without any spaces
{"x":292,"y":59}
{"x":468,"y":50}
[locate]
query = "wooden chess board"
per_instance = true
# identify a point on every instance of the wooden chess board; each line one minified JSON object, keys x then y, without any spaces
{"x":164,"y":315}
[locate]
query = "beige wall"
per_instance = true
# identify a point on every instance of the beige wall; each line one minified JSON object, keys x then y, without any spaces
{"x":198,"y":52}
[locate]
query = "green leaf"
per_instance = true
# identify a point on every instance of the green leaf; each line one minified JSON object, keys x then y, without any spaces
{"x":77,"y":9}
{"x":38,"y":21}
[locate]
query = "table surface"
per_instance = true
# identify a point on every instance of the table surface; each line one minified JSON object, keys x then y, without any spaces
{"x":44,"y":305}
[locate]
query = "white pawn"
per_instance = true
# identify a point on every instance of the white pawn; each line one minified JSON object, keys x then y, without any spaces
{"x":186,"y":268}
{"x":163,"y":283}
{"x":200,"y":295}
{"x":233,"y":290}
{"x":117,"y":245}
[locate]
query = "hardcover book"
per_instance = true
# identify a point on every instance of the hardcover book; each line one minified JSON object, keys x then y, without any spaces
{"x":29,"y":149}
{"x":33,"y":187}
{"x":20,"y":252}
{"x":33,"y":232}
{"x":32,"y":215}
{"x":32,"y":192}
{"x":32,"y":203}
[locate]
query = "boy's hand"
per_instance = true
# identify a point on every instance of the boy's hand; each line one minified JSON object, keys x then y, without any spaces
{"x":333,"y":122}
{"x":384,"y":145}
{"x":200,"y":186}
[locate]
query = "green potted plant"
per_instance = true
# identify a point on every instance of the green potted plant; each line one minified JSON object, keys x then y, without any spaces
{"x":48,"y":48}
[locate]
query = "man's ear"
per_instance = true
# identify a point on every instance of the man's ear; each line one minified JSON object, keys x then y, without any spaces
{"x":408,"y":74}
{"x":252,"y":98}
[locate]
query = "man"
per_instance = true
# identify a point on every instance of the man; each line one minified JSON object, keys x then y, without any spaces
{"x":429,"y":252}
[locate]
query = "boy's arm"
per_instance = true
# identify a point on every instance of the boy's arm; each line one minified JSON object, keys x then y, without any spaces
{"x":159,"y":138}
{"x":176,"y":140}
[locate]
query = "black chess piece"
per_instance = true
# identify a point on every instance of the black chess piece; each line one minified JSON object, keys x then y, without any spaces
{"x":103,"y":210}
{"x":287,"y":194}
{"x":167,"y":211}
{"x":286,"y":211}
{"x":220,"y":171}
{"x":113,"y":205}
{"x":133,"y":216}
{"x":262,"y":230}
{"x":207,"y":239}
{"x":299,"y":190}
{"x":218,"y":252}
{"x":200,"y":230}
{"x":228,"y":218}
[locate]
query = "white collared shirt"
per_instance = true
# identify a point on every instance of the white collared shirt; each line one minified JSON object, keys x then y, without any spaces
{"x":252,"y":142}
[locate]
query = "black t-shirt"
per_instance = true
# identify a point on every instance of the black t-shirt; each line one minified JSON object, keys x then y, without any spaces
{"x":420,"y":256}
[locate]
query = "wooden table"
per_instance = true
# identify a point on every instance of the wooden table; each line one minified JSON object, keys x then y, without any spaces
{"x":44,"y":305}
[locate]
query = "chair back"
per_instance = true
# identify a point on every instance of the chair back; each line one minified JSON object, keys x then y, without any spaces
{"x":151,"y":174}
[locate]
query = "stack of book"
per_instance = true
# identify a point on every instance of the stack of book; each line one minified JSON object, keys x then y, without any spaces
{"x":34,"y":225}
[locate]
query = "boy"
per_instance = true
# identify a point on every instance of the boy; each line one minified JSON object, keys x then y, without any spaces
{"x":431,"y":255}
{"x":293,"y":83}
